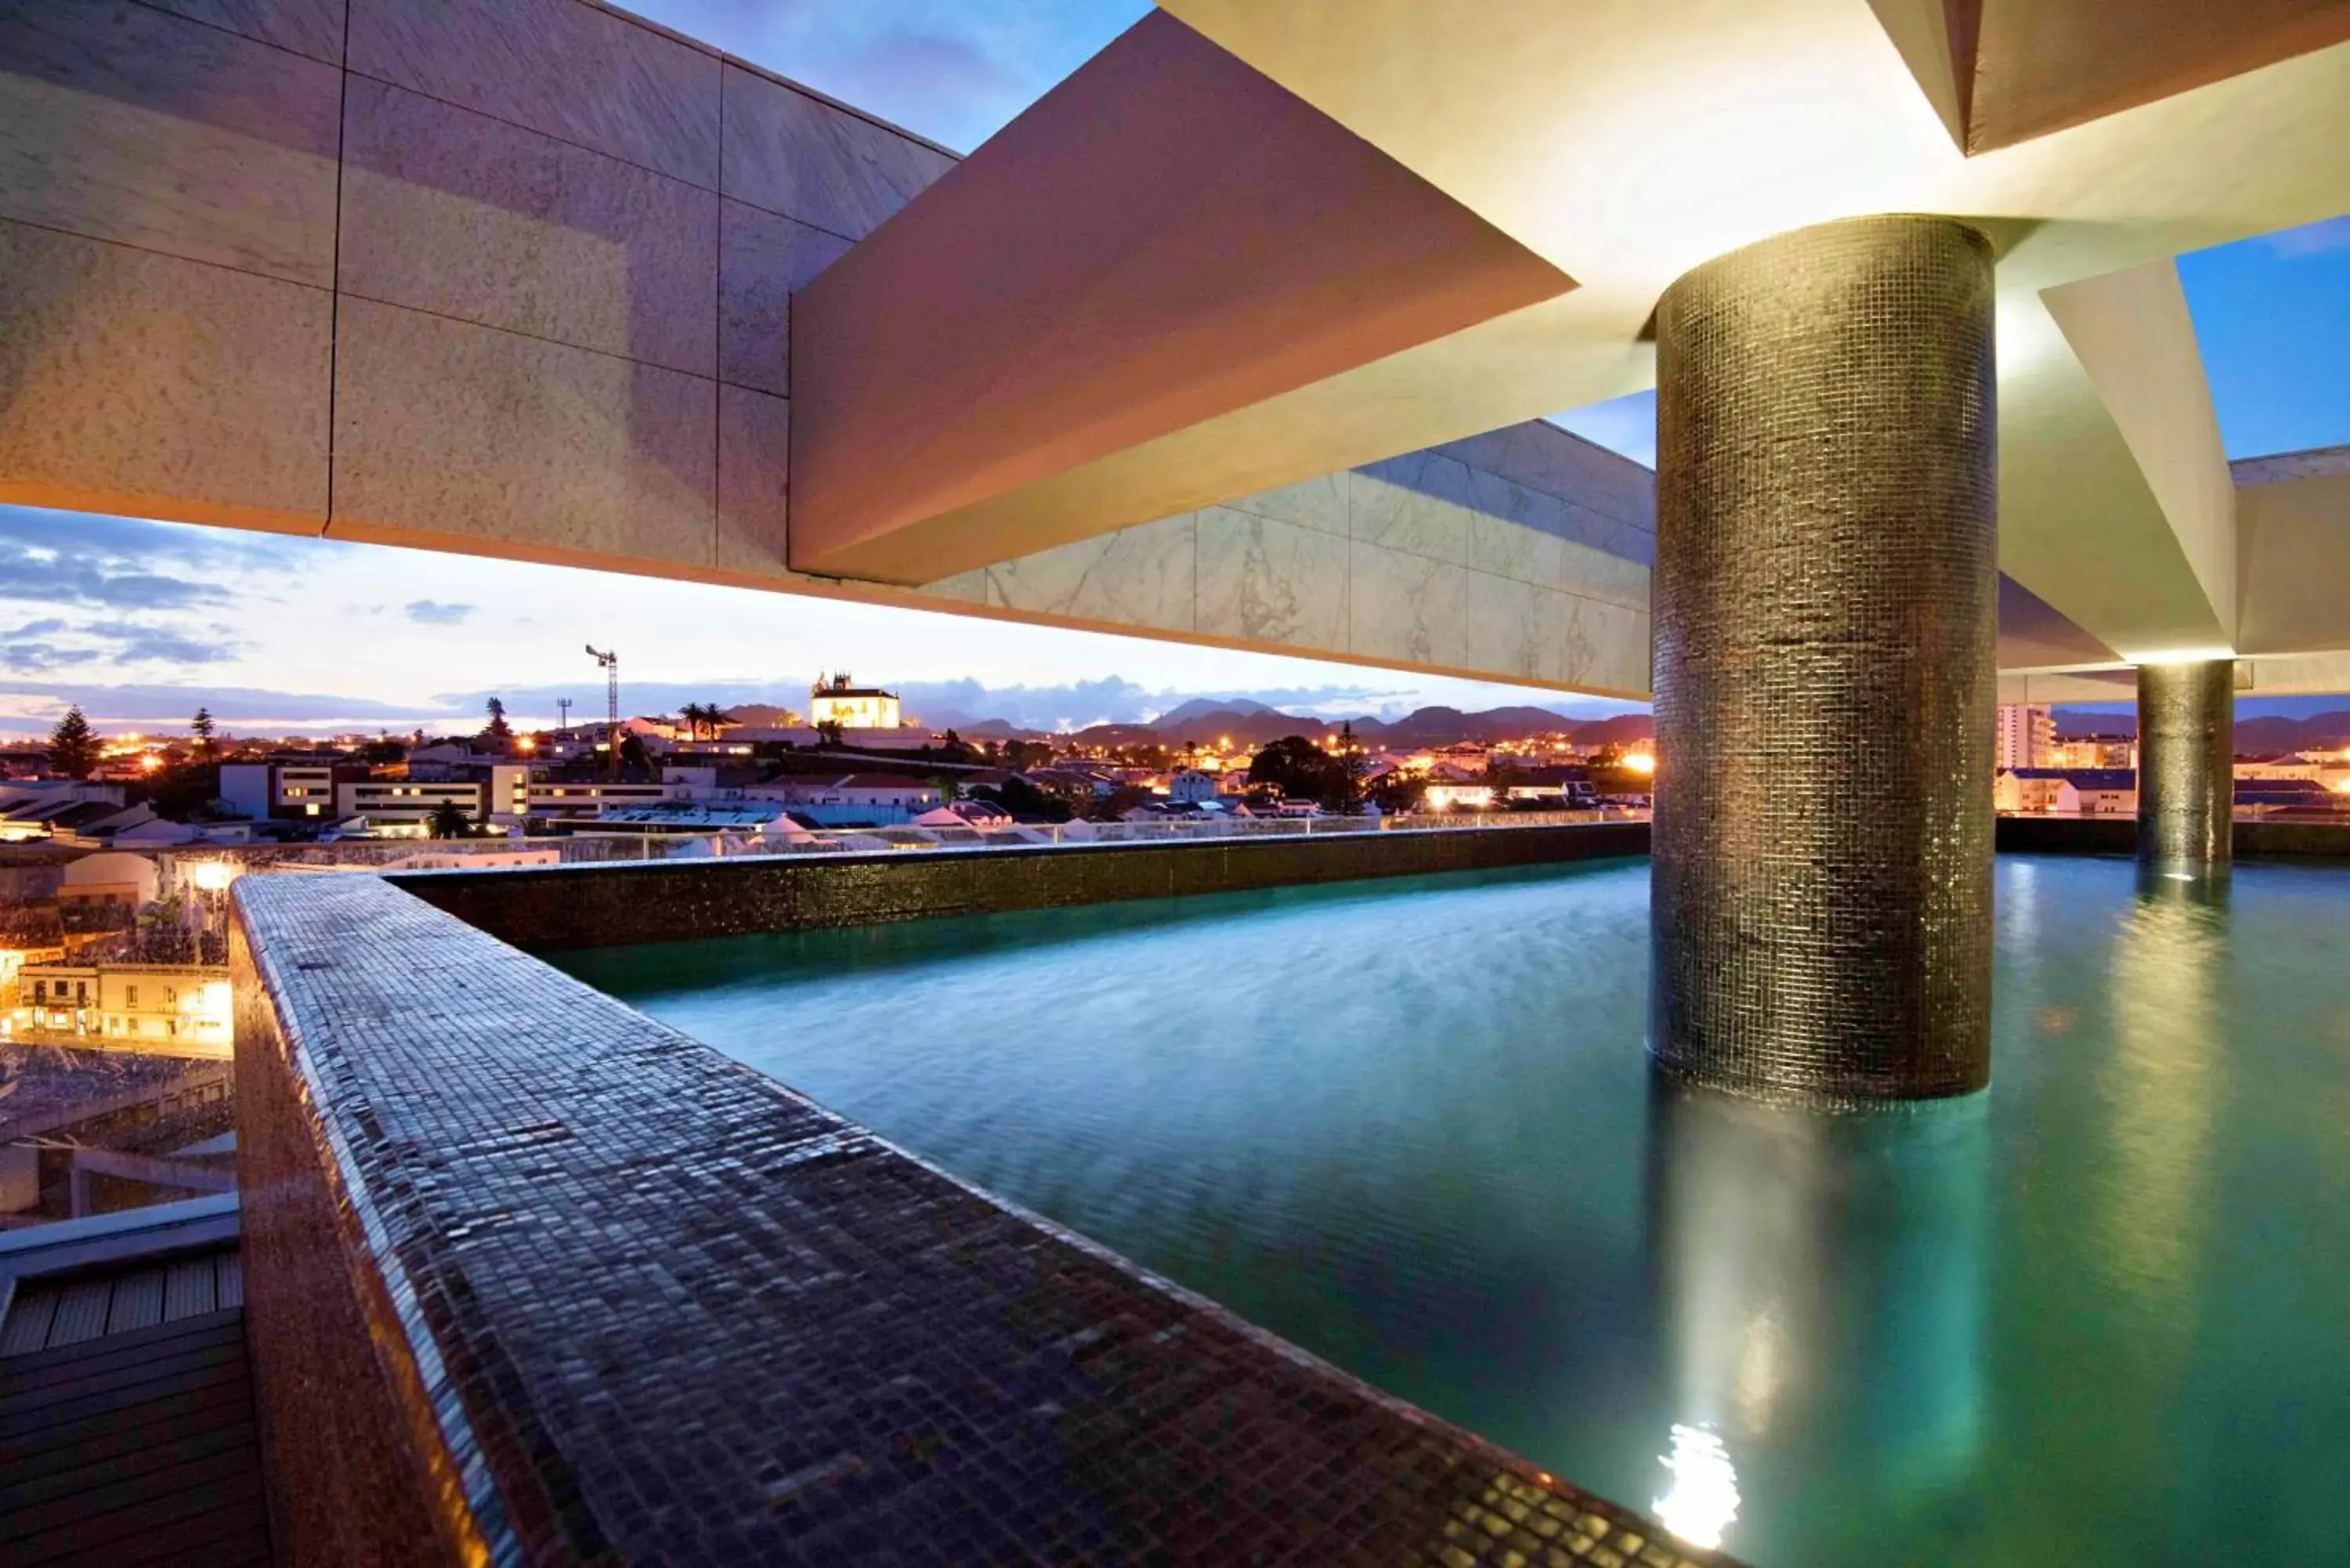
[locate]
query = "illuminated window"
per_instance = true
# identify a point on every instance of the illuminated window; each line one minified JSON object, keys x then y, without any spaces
{"x":131,"y":996}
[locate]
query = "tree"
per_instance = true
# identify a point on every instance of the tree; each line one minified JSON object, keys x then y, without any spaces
{"x":73,"y":745}
{"x":713,"y":714}
{"x":1399,"y":792}
{"x":498,"y":732}
{"x":1300,"y":770}
{"x":1021,"y":756}
{"x":449,"y":822}
{"x":383,"y":749}
{"x":827,"y":733}
{"x":201,"y":726}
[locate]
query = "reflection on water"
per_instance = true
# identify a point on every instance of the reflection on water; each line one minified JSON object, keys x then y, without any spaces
{"x":2099,"y":1315}
{"x":1821,"y":1277}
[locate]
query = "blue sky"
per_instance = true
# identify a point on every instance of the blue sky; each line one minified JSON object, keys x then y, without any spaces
{"x":142,"y":621}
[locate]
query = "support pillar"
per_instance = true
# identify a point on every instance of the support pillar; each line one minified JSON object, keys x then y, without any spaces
{"x":2186,"y":768}
{"x":1826,"y":664}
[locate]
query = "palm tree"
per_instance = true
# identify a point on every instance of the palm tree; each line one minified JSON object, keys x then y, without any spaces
{"x":690,"y":714}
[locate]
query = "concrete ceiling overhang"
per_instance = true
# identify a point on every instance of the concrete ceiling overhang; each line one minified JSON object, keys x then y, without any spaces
{"x":1164,"y":237}
{"x":1625,"y":141}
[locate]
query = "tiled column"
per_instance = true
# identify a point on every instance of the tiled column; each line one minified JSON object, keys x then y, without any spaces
{"x":1825,"y":664}
{"x":2186,"y":767}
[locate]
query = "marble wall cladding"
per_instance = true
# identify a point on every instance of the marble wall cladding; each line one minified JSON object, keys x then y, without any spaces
{"x":1543,"y":457}
{"x":754,"y":440}
{"x":1420,"y":559}
{"x":794,"y":154}
{"x":453,"y":212}
{"x":124,"y":123}
{"x":453,"y":431}
{"x":763,"y":258}
{"x":1267,"y":581}
{"x":145,"y":384}
{"x":312,"y":27}
{"x":577,"y":71}
{"x":1140,"y":577}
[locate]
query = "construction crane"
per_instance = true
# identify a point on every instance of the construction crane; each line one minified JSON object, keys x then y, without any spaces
{"x":611,"y":663}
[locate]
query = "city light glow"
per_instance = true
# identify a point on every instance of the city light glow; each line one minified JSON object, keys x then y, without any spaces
{"x":211,"y":875}
{"x":1702,"y":1503}
{"x":1640,"y":763}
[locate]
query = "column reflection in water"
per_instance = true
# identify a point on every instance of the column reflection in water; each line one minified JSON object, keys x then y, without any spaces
{"x":1820,"y":1278}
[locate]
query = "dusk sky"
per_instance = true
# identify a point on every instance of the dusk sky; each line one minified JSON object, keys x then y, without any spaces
{"x":142,"y":621}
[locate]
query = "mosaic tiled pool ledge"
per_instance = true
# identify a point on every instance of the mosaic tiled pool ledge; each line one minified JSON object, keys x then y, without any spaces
{"x":558,"y":908}
{"x":542,"y":1280}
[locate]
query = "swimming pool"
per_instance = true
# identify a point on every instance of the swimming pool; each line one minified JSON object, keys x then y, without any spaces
{"x":2098,"y":1314}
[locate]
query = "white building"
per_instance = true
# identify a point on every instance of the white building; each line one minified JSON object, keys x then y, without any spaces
{"x":833,"y":700}
{"x":2026,"y":731}
{"x":852,"y":799}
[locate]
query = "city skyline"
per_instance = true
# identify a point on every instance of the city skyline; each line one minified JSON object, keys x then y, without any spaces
{"x":140,"y":620}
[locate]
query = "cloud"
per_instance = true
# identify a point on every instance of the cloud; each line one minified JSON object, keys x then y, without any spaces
{"x":430,"y":612}
{"x":38,"y":627}
{"x":125,"y":563}
{"x":35,"y":658}
{"x":30,"y":704}
{"x":134,"y":641}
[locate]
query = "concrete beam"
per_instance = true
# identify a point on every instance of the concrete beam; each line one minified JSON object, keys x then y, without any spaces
{"x":1164,"y":238}
{"x":2292,"y":521}
{"x":2108,"y":436}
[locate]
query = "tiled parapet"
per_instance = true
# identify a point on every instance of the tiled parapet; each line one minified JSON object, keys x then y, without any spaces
{"x":561,"y":906}
{"x":534,"y":1279}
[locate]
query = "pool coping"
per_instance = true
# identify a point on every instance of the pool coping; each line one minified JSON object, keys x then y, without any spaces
{"x":540,"y":1278}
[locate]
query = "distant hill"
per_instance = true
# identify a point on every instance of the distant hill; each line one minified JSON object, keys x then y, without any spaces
{"x":2267,"y":733}
{"x":1258,"y":725}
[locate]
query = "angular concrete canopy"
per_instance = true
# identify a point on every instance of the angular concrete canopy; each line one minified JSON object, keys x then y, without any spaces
{"x":1627,"y":140}
{"x":1165,"y":237}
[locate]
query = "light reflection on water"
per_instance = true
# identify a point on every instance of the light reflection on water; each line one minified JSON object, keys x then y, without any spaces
{"x":2097,"y":1315}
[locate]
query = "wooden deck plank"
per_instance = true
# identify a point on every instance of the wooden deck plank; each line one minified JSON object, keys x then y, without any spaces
{"x":63,"y":1444}
{"x":216,"y":1541}
{"x":118,"y":1493}
{"x":81,"y":1311}
{"x":29,"y":1316}
{"x":190,"y":1289}
{"x":235,"y":1494}
{"x":157,"y":1451}
{"x":138,"y":1301}
{"x":27,"y":1419}
{"x":108,"y":1438}
{"x":25,"y":1373}
{"x":161,"y":1363}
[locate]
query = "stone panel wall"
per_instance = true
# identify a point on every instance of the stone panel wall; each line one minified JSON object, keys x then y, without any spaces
{"x":560,"y":907}
{"x":537,"y":257}
{"x":657,"y":1307}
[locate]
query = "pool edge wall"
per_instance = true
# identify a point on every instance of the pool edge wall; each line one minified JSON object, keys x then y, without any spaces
{"x":535,"y":1278}
{"x":2253,"y":840}
{"x":555,"y":909}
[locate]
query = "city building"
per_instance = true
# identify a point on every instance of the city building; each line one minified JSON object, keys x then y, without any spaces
{"x":300,"y":791}
{"x":852,"y":800}
{"x":2065,"y":792}
{"x":834,"y":700}
{"x":2026,"y":731}
{"x":2088,"y":751}
{"x":175,"y":1009}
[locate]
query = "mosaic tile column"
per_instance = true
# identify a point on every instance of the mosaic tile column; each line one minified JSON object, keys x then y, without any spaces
{"x":1826,"y":664}
{"x":2186,"y":767}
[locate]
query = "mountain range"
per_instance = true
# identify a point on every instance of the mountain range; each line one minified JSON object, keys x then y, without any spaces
{"x":2268,"y":733}
{"x":1247,"y":723}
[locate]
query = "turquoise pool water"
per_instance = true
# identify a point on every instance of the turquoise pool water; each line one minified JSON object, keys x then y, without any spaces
{"x":2098,"y":1314}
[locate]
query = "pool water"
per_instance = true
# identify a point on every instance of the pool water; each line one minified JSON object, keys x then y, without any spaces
{"x":2098,"y":1314}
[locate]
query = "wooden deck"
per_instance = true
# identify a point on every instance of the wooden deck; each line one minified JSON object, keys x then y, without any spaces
{"x":126,"y":1420}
